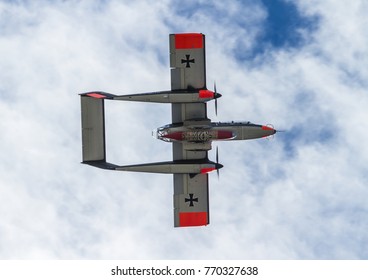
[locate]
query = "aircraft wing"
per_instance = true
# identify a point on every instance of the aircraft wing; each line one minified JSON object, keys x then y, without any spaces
{"x":191,"y":200}
{"x":187,"y":61}
{"x":191,"y":203}
{"x":188,"y":72}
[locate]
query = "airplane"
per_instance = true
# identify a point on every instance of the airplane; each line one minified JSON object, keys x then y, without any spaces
{"x":191,"y":132}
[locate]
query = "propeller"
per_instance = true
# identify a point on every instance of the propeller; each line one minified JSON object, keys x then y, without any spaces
{"x":217,"y":95}
{"x":218,"y":165}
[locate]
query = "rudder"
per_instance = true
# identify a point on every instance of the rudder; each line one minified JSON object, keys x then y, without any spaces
{"x":93,"y":129}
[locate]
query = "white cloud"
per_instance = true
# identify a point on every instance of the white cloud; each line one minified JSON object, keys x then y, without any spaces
{"x":269,"y":202}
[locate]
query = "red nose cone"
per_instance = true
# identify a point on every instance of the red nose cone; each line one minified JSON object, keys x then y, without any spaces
{"x":265,"y":127}
{"x":224,"y":134}
{"x":268,"y":130}
{"x":175,"y":136}
{"x":206,"y":94}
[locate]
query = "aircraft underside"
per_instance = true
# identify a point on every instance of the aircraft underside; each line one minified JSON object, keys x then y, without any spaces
{"x":190,"y":133}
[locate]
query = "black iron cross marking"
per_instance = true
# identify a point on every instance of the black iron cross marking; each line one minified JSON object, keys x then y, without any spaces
{"x":191,"y":200}
{"x":188,"y":61}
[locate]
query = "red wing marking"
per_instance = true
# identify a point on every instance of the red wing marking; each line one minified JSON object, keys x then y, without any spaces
{"x":190,"y":219}
{"x":189,"y":41}
{"x":96,"y":95}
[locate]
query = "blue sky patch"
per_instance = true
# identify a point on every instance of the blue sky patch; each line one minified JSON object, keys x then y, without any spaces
{"x":283,"y":24}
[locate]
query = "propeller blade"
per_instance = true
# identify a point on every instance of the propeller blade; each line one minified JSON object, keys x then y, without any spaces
{"x":217,"y":160}
{"x":217,"y":95}
{"x":216,"y":106}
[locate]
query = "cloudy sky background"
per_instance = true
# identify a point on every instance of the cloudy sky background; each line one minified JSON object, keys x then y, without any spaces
{"x":299,"y":65}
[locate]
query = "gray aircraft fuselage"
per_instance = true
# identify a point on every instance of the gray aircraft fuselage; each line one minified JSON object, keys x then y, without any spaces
{"x":213,"y":131}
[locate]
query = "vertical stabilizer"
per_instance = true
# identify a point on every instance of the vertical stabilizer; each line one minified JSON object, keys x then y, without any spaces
{"x":93,"y":129}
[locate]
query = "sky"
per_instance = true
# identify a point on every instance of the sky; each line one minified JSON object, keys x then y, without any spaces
{"x":299,"y":65}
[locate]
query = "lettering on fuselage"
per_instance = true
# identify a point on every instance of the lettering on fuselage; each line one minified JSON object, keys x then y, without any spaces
{"x":202,"y":136}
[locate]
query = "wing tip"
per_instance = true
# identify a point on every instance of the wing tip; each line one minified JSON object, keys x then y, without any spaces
{"x":189,"y":41}
{"x":193,"y":219}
